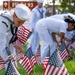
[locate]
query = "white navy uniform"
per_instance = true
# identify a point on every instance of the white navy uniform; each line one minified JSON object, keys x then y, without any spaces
{"x":6,"y":29}
{"x":61,"y":17}
{"x":5,"y":26}
{"x":44,"y":27}
{"x":37,"y":14}
{"x":4,"y":32}
{"x":5,"y":36}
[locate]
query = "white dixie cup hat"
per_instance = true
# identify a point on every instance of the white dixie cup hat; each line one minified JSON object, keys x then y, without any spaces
{"x":22,"y":11}
{"x":40,"y":1}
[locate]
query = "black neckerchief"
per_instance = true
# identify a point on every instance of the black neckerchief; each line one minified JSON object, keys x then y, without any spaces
{"x":12,"y":28}
{"x":14,"y":33}
{"x":41,"y":13}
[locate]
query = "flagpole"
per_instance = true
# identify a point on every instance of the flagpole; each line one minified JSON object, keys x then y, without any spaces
{"x":49,"y":51}
{"x":69,"y":54}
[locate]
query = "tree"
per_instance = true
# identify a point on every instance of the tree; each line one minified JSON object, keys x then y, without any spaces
{"x":67,"y":6}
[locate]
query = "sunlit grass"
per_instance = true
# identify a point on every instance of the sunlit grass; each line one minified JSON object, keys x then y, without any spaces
{"x":37,"y":70}
{"x":70,"y":65}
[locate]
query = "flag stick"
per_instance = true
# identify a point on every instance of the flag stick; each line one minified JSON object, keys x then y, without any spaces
{"x":69,"y":54}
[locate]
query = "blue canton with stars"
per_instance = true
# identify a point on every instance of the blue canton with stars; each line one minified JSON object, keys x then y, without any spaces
{"x":55,"y":60}
{"x":10,"y":69}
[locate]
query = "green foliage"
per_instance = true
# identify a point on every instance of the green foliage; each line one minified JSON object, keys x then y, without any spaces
{"x":67,"y":6}
{"x":70,"y":64}
{"x":2,"y":72}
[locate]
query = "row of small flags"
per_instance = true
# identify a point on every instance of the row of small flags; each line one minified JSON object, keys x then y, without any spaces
{"x":29,"y":60}
{"x":52,"y":66}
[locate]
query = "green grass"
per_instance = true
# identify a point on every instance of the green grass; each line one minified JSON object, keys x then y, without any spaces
{"x":70,"y":64}
{"x":39,"y":70}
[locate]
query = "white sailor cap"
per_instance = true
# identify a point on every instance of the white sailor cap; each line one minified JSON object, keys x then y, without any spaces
{"x":71,"y":15}
{"x":40,"y":1}
{"x":22,"y":11}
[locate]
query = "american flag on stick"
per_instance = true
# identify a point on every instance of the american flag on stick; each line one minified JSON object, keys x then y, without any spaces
{"x":28,"y":61}
{"x":19,"y":57}
{"x":1,"y":60}
{"x":30,"y":55}
{"x":63,"y":52}
{"x":26,"y":64}
{"x":2,"y":66}
{"x":23,"y":35}
{"x":38,"y":57}
{"x":55,"y":66}
{"x":45,"y":62}
{"x":11,"y":69}
{"x":2,"y":63}
{"x":73,"y":45}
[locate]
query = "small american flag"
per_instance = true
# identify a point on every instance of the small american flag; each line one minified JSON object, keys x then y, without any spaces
{"x":73,"y":45}
{"x":45,"y":62}
{"x":11,"y":70}
{"x":23,"y":35}
{"x":30,"y":55}
{"x":28,"y":61}
{"x":55,"y":66}
{"x":63,"y":52}
{"x":2,"y":64}
{"x":33,"y":61}
{"x":19,"y":57}
{"x":26,"y":64}
{"x":1,"y":60}
{"x":38,"y":57}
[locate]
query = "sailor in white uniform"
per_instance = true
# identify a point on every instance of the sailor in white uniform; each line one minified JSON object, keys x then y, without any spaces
{"x":9,"y":21}
{"x":61,"y":16}
{"x":37,"y":13}
{"x":47,"y":28}
{"x":69,"y":34}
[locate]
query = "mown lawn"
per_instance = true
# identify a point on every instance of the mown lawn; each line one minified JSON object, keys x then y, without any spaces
{"x":70,"y":65}
{"x":39,"y":70}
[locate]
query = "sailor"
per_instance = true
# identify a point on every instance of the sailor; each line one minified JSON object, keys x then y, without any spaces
{"x":69,"y":35}
{"x":9,"y":22}
{"x":47,"y":28}
{"x":37,"y":13}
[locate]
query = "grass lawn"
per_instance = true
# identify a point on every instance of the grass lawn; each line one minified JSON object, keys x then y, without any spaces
{"x":39,"y":70}
{"x":70,"y":65}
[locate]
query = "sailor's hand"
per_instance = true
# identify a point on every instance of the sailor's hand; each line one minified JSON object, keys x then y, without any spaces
{"x":70,"y":56}
{"x":11,"y":56}
{"x":20,"y":49}
{"x":58,"y":43}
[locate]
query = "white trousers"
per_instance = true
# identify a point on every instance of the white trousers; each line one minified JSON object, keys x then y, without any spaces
{"x":47,"y":41}
{"x":34,"y":42}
